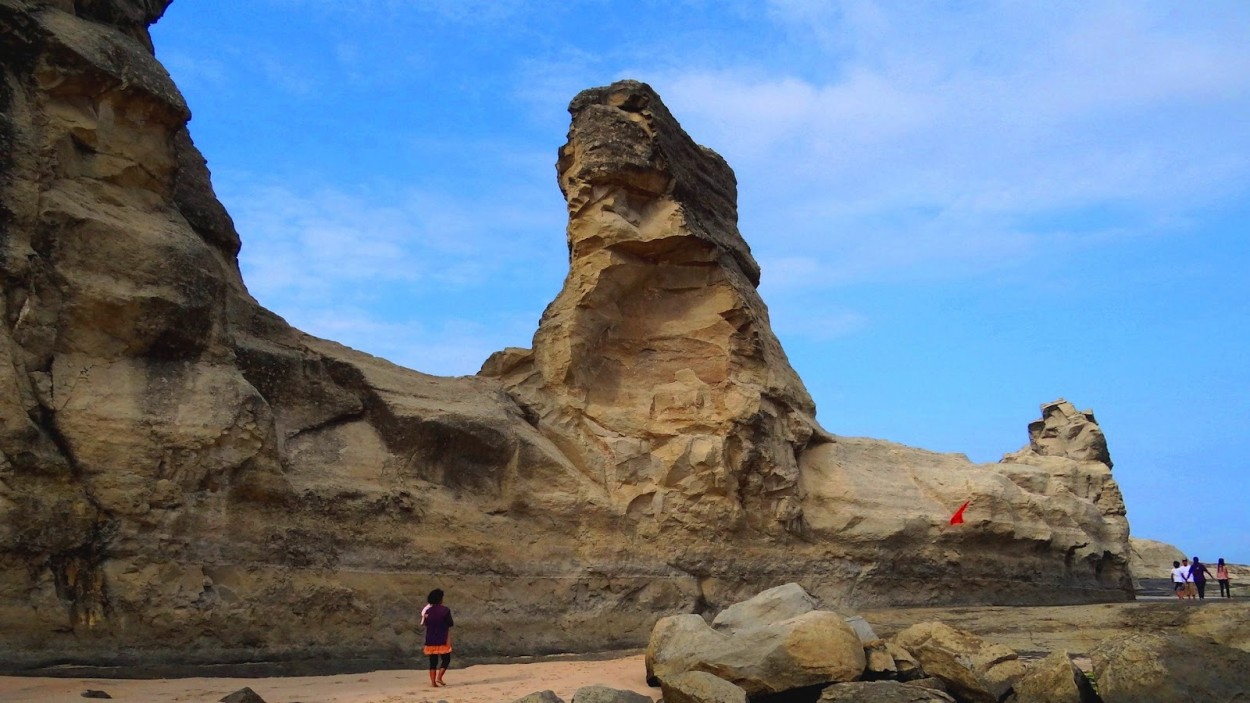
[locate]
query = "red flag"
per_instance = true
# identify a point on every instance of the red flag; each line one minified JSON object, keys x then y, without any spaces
{"x":958,"y":517}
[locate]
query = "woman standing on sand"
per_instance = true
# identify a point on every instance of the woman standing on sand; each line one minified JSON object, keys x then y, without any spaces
{"x":438,"y":622}
{"x":1221,"y":575}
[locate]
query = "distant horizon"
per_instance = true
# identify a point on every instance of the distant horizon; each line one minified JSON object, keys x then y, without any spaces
{"x":960,"y":213}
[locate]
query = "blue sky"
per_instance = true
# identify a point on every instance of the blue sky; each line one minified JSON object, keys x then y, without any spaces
{"x":961,"y":209}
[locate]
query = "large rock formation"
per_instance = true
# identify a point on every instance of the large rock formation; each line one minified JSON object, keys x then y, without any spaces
{"x":655,"y":369}
{"x":1053,"y":501}
{"x":185,"y":478}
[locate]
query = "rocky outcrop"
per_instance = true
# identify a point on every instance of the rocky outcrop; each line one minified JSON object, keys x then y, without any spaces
{"x":1151,"y":559}
{"x":656,"y":368}
{"x":1054,"y":500}
{"x":1169,"y":668}
{"x":184,"y":478}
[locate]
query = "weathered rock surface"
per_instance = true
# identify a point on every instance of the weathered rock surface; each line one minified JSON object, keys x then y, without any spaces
{"x":604,"y":694}
{"x":1076,"y":628}
{"x":808,"y":650}
{"x":540,"y":697}
{"x":879,"y":663}
{"x":1149,"y":558}
{"x":184,"y":478}
{"x":972,"y":669}
{"x":700,"y":687}
{"x":243,"y":695}
{"x":773,"y":605}
{"x":1054,"y":679}
{"x":1053,"y":492}
{"x":762,"y":657}
{"x":882,"y":692}
{"x":1169,"y":668}
{"x":656,"y":367}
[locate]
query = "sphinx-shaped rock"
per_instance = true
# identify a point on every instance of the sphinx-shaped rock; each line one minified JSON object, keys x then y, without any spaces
{"x":655,"y":366}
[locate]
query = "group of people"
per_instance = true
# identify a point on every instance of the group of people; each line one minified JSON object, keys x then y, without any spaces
{"x":1190,"y":580}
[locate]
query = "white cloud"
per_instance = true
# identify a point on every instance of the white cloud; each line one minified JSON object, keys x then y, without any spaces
{"x":922,"y":146}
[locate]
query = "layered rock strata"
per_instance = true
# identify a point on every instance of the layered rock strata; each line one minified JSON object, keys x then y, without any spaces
{"x":185,"y":478}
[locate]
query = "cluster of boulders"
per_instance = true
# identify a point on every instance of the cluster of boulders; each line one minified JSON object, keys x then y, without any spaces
{"x":779,"y":646}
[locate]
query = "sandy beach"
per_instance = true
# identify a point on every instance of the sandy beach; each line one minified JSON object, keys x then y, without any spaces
{"x":485,"y":683}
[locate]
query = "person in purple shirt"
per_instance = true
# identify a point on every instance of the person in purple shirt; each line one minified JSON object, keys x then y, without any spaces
{"x":1198,"y":571}
{"x":438,"y":623}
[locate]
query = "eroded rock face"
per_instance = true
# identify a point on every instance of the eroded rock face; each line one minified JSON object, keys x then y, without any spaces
{"x":656,"y":366}
{"x":1061,"y":506}
{"x":1151,"y":559}
{"x":185,"y":478}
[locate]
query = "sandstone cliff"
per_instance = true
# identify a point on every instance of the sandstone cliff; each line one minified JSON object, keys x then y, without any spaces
{"x":185,"y":478}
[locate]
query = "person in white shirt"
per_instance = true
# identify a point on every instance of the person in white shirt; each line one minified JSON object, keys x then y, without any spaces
{"x":1180,"y":574}
{"x":1191,"y":591}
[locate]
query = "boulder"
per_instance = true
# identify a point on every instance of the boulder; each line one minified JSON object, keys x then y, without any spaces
{"x":930,"y":683}
{"x":243,"y":695}
{"x":882,"y":692}
{"x":1055,"y":679}
{"x":540,"y":697}
{"x":701,"y":687}
{"x":904,"y":663}
{"x":1169,"y":668}
{"x":880,"y":665}
{"x":972,"y":669}
{"x":814,"y":648}
{"x":770,"y":606}
{"x":603,"y":694}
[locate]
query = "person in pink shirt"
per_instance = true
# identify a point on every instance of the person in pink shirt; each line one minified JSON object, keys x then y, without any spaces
{"x":1221,"y":575}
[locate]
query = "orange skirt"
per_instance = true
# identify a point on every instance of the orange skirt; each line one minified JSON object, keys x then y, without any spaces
{"x":438,"y":648}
